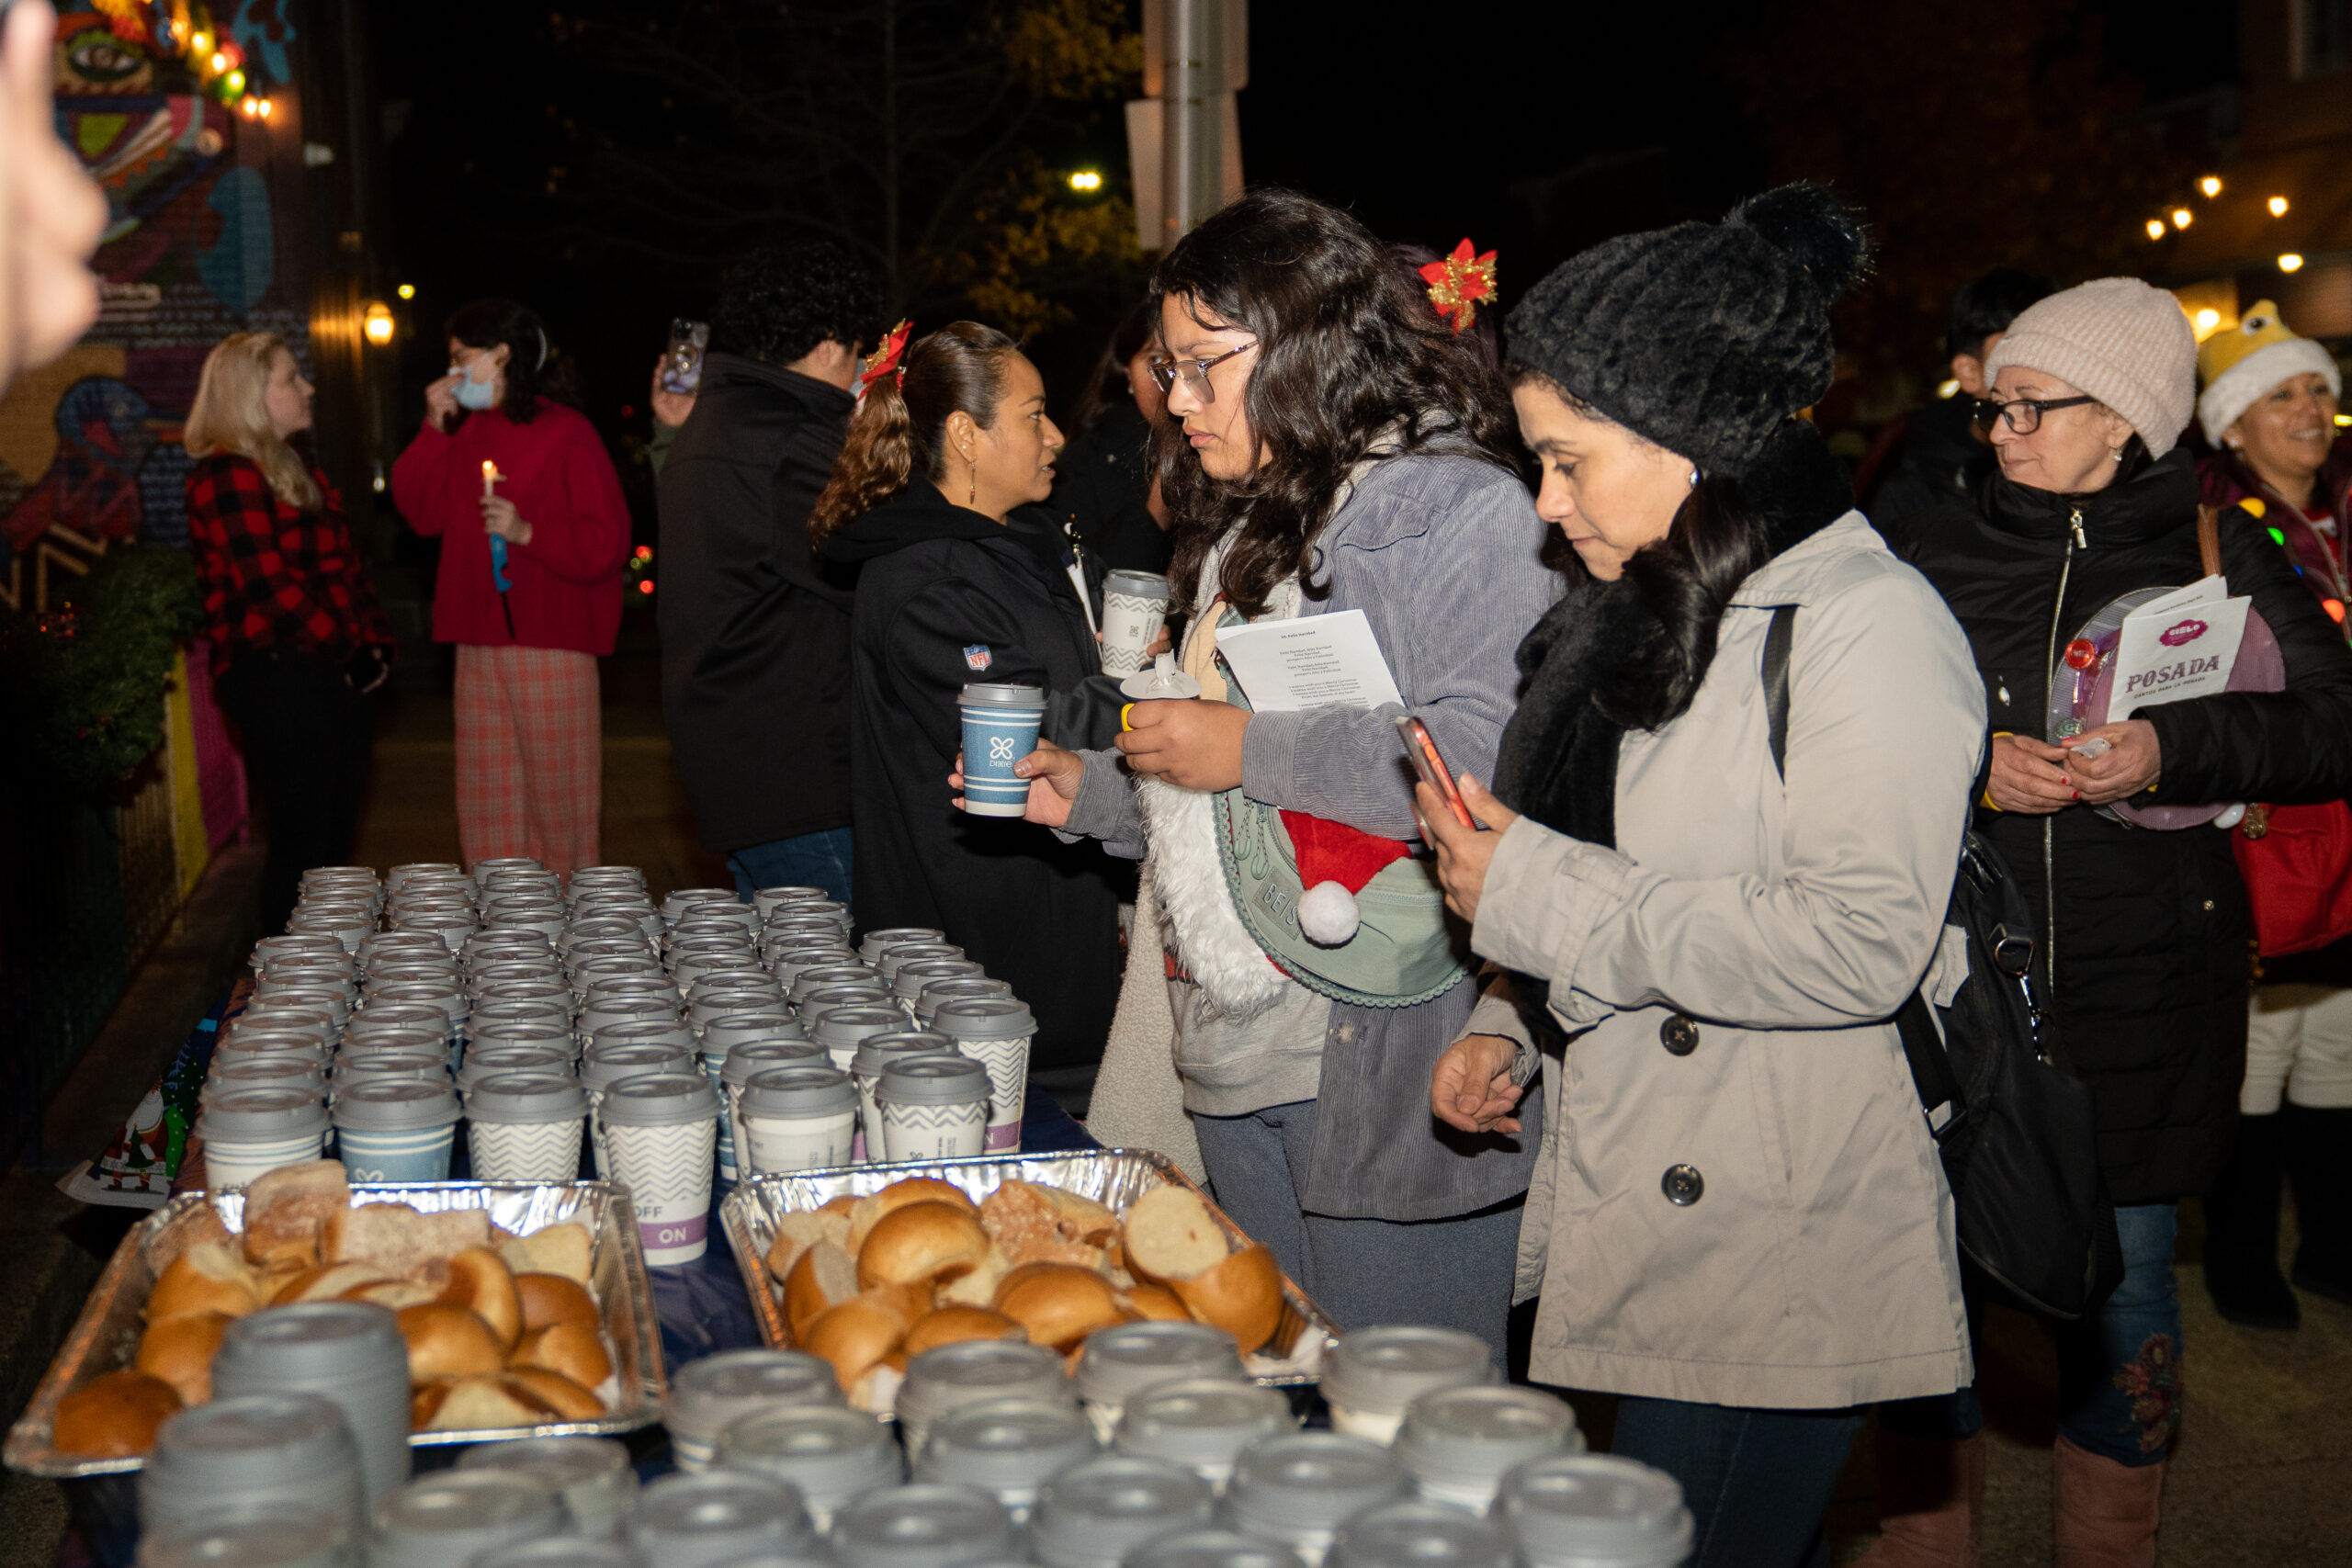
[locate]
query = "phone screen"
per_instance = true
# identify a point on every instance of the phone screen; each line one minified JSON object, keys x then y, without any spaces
{"x":1422,"y":750}
{"x":682,"y":360}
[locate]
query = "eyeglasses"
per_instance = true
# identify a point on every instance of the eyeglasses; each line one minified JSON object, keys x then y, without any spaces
{"x":2023,"y":416}
{"x":1193,"y":373}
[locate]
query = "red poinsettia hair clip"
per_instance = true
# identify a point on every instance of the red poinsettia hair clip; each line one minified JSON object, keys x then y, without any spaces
{"x":1461,"y":283}
{"x":885,"y":358}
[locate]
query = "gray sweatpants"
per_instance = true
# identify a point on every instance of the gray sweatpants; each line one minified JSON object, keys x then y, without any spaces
{"x":1453,"y":1273}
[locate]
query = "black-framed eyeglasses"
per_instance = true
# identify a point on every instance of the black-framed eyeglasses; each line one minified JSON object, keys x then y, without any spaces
{"x":1193,"y":373}
{"x":2023,"y":416}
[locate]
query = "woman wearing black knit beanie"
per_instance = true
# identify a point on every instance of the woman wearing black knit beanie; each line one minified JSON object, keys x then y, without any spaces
{"x":1749,"y":1235}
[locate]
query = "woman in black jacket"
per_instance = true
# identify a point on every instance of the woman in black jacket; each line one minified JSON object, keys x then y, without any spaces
{"x":1105,"y":491}
{"x":2142,"y":934}
{"x":963,"y":577}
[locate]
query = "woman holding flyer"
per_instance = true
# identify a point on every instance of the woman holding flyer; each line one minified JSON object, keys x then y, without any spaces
{"x":2141,"y":934}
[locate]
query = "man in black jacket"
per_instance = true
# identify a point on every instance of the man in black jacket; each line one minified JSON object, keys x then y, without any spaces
{"x":754,"y":628}
{"x":1938,"y":458}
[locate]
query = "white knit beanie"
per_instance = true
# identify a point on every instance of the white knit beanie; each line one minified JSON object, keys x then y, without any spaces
{"x":2124,"y":341}
{"x":2242,"y":363}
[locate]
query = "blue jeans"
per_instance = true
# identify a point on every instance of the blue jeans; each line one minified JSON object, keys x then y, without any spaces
{"x":1755,"y":1481}
{"x":2119,"y":1370}
{"x":812,"y":860}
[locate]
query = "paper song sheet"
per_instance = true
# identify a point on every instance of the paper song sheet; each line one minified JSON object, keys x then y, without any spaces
{"x":1318,"y":662}
{"x":2177,"y":646}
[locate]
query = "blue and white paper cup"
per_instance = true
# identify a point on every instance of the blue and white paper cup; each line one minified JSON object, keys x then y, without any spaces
{"x":661,"y":1134}
{"x":396,"y":1129}
{"x":1000,"y":723}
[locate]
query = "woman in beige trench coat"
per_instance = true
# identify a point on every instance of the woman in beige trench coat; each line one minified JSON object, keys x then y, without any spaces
{"x":1738,"y":1218}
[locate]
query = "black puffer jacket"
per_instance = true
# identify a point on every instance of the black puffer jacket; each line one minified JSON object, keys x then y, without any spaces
{"x":2151,"y":929}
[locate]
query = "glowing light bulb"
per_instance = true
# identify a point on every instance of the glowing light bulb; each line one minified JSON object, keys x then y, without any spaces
{"x":645,"y":585}
{"x":1948,"y":390}
{"x":2207,"y":320}
{"x":1086,"y":180}
{"x":2291,"y":262}
{"x":220,"y":63}
{"x":2155,"y":228}
{"x":265,"y":107}
{"x":2278,"y":205}
{"x":2182,"y":218}
{"x":2210,"y":185}
{"x":377,"y":323}
{"x":406,"y":291}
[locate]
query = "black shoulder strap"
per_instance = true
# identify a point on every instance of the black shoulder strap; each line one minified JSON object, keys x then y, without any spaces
{"x":1776,"y":682}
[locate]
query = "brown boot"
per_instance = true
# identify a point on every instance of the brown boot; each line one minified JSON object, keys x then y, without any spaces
{"x":2107,"y":1512}
{"x":1930,"y":1504}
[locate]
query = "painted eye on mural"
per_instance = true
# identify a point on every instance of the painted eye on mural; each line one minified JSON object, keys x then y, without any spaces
{"x":100,"y":58}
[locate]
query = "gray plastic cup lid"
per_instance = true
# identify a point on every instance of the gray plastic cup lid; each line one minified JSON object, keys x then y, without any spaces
{"x":250,"y":1441}
{"x":1201,"y":1421}
{"x":249,"y":1535}
{"x":493,"y":1061}
{"x":1595,"y":1511}
{"x":893,"y":959}
{"x":670,"y":1032}
{"x":932,"y":1081}
{"x":404,"y":1040}
{"x":1135,"y":584}
{"x":253,"y":1115}
{"x":1418,"y":1535}
{"x":937,"y":994}
{"x":717,"y":1514}
{"x":876,"y":1051}
{"x":1004,"y":1444}
{"x":1476,"y":1433}
{"x":789,"y":963}
{"x":843,"y":1026}
{"x":1311,"y":1480}
{"x":758,"y":1056}
{"x":723,"y":1034}
{"x":389,"y":1015}
{"x":319,"y":1346}
{"x":829,"y":1451}
{"x":925,"y":1525}
{"x":706,"y":1395}
{"x":1003,"y":694}
{"x":605,"y":1065}
{"x":659,"y":1100}
{"x":1382,"y":1369}
{"x":984,"y":1018}
{"x":909,"y":980}
{"x":1100,"y":1510}
{"x":315,"y":1021}
{"x":949,"y":1376}
{"x":879,"y":942}
{"x":798,"y":1091}
{"x":527,"y":1097}
{"x":558,"y":1462}
{"x":357,"y":1067}
{"x":871,"y":994}
{"x":816,"y":977}
{"x":1120,"y":1360}
{"x":284,"y":1071}
{"x":604,"y":1010}
{"x":263,"y":1045}
{"x":1212,"y":1549}
{"x":558,"y":1552}
{"x":397,"y":1105}
{"x":454,"y":1516}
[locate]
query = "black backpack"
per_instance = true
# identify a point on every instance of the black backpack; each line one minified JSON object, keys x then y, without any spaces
{"x":2015,"y":1126}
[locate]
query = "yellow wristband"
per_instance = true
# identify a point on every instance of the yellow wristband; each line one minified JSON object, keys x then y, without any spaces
{"x":1125,"y":709}
{"x":1987,"y":802}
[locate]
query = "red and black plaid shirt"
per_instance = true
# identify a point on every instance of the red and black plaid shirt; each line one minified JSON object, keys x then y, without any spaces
{"x":273,"y":576}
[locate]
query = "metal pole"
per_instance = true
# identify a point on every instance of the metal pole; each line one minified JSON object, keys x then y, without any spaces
{"x":1192,"y":161}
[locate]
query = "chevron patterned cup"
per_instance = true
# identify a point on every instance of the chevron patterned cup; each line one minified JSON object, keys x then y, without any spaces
{"x":662,"y":1143}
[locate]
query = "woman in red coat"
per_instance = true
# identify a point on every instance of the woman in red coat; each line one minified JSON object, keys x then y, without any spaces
{"x":498,"y":460}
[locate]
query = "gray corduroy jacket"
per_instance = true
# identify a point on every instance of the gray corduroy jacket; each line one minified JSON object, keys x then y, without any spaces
{"x":1442,"y":554}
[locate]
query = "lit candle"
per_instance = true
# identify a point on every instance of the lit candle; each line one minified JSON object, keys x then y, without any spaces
{"x":490,"y":476}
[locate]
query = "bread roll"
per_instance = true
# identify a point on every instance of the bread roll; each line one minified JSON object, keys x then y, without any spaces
{"x":1021,"y":1217}
{"x":1057,"y":1303}
{"x":825,"y":1276}
{"x":207,"y":1278}
{"x":462,"y":1405}
{"x":113,"y":1416}
{"x":482,"y":1283}
{"x":572,"y":1401}
{"x":401,"y":1243}
{"x":1082,"y":1218}
{"x":1156,"y":1303}
{"x":954,"y":1325}
{"x":867,"y":1213}
{"x":327,"y":1282}
{"x":447,"y":1341}
{"x":1242,"y":1295}
{"x":854,"y":1336}
{"x":199,"y":1225}
{"x":978,"y":1287}
{"x":842,"y":1205}
{"x":1170,"y":1235}
{"x":575,"y":1349}
{"x":553,"y":1297}
{"x":397,"y":1294}
{"x":180,"y":1350}
{"x":921,"y":1243}
{"x":564,"y":1247}
{"x":797,"y":1233}
{"x":285,"y":1209}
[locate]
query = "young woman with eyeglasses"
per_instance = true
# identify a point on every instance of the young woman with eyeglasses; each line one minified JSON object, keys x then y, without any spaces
{"x":1329,"y":449}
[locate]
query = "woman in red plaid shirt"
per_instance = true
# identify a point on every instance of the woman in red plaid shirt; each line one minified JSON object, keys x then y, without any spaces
{"x":298,"y":640}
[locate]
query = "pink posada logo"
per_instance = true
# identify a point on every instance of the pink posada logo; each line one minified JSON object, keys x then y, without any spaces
{"x":2185,"y":632}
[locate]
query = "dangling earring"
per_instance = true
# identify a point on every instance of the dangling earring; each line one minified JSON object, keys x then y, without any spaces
{"x":973,"y":498}
{"x":2117,"y":454}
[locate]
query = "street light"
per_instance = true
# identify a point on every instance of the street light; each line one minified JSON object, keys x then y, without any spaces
{"x":2278,"y":207}
{"x":1086,"y":180}
{"x":2291,"y":262}
{"x":377,"y":323}
{"x":2210,"y":185}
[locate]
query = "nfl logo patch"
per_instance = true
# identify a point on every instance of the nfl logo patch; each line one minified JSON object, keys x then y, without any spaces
{"x":977,"y":656}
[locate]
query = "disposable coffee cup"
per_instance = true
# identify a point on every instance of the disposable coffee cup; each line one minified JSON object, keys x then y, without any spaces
{"x":706,"y":1396}
{"x":765,"y":900}
{"x":1000,"y":725}
{"x":571,"y":1551}
{"x":525,"y":1126}
{"x":908,"y":981}
{"x":1118,"y":1362}
{"x":1418,"y":1535}
{"x":937,"y":994}
{"x":926,"y":1525}
{"x":1595,"y":1511}
{"x":492,"y":1061}
{"x":753,"y":1056}
{"x":288,"y":1534}
{"x":707,"y":1004}
{"x":1212,"y":1549}
{"x":797,"y":1119}
{"x":842,"y":1030}
{"x":1296,"y":1489}
{"x":592,"y":1477}
{"x":1098,"y":1510}
{"x":1135,"y":608}
{"x":896,"y":958}
{"x":315,"y":1023}
{"x":455,"y":1515}
{"x":806,"y":982}
{"x":952,"y":1376}
{"x":1006,"y":1446}
{"x":877,"y":943}
{"x":250,"y":1132}
{"x":262,"y":1072}
{"x":671,"y":1034}
{"x":253,"y":1448}
{"x":353,"y":1068}
{"x":661,"y":1137}
{"x":933,"y":1107}
{"x":724,"y":1033}
{"x":873,"y":1054}
{"x":1459,"y":1443}
{"x":483,"y":870}
{"x":995,"y":1032}
{"x":699,"y":1521}
{"x":830,"y":1453}
{"x":350,"y":1353}
{"x":267,"y":1045}
{"x":1202,"y":1424}
{"x":1374,"y":1373}
{"x":396,"y":1129}
{"x":874,"y":998}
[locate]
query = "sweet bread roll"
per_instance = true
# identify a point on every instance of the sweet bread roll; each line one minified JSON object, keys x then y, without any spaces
{"x":954,"y":1325}
{"x":286,"y":1208}
{"x":978,"y":1287}
{"x":401,"y":1243}
{"x":462,"y":1404}
{"x":207,"y":1278}
{"x":841,"y":1205}
{"x":1021,"y":1217}
{"x":552,"y":1298}
{"x":572,"y":1401}
{"x":575,"y":1349}
{"x":328,"y":1281}
{"x":797,"y":1233}
{"x":1170,"y":1235}
{"x":824,"y":1276}
{"x":1156,"y":1303}
{"x":854,"y":1336}
{"x":921,"y":1243}
{"x":447,"y":1341}
{"x":564,"y":1247}
{"x":113,"y":1416}
{"x":482,"y":1283}
{"x":1057,"y":1303}
{"x":1083,"y":1219}
{"x":180,"y":1350}
{"x":1242,"y":1295}
{"x":867,"y":1212}
{"x":397,"y":1294}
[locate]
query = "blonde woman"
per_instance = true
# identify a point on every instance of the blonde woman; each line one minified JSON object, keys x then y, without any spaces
{"x":298,"y":640}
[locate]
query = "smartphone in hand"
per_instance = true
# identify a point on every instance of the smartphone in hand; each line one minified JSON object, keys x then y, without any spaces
{"x":681,"y":358}
{"x":1431,"y":766}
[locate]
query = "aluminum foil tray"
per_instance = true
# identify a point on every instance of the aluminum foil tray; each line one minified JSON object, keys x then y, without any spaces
{"x":1113,"y":1177}
{"x":106,"y":1337}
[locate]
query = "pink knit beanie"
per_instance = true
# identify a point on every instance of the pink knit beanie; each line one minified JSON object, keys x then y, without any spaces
{"x":2122,"y":341}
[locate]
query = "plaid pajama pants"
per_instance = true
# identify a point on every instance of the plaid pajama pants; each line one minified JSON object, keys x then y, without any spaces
{"x":530,"y":755}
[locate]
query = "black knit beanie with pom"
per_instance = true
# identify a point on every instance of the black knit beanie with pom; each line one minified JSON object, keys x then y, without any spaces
{"x":1705,"y":337}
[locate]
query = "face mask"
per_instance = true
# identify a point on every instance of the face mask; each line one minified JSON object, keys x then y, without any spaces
{"x":473,"y":394}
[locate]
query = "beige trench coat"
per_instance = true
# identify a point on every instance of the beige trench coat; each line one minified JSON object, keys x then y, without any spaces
{"x":1761,"y":1221}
